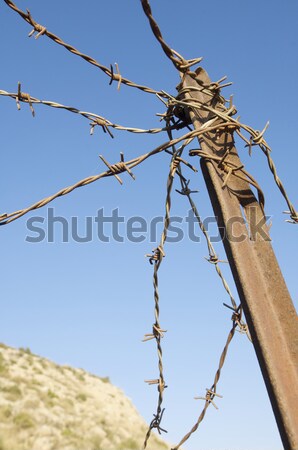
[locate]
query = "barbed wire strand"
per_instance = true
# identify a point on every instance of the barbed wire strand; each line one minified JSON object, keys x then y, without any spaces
{"x":213,"y":257}
{"x":157,"y":332}
{"x":292,"y":211}
{"x":6,"y":218}
{"x":113,"y":170}
{"x":42,"y":30}
{"x":95,"y":119}
{"x":179,"y":62}
{"x":211,"y":393}
{"x":237,"y":310}
{"x":186,"y":191}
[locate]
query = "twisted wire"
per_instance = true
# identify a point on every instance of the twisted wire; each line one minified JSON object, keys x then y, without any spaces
{"x":293,"y":213}
{"x":256,"y":137}
{"x":229,"y":167}
{"x":237,"y":310}
{"x":157,"y":258}
{"x":179,"y":62}
{"x":7,"y":218}
{"x":213,"y":257}
{"x":95,"y":119}
{"x":41,"y":30}
{"x":212,"y":391}
{"x":157,"y":331}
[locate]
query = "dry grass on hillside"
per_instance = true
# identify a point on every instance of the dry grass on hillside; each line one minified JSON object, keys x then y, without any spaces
{"x":44,"y":406}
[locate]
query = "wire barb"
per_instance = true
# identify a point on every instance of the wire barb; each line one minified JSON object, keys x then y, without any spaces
{"x":157,"y":256}
{"x":23,"y":97}
{"x":210,"y":394}
{"x":237,"y":319}
{"x":157,"y":333}
{"x":37,"y":28}
{"x":293,"y":215}
{"x":156,"y":422}
{"x":213,"y":259}
{"x":118,"y":168}
{"x":185,"y":190}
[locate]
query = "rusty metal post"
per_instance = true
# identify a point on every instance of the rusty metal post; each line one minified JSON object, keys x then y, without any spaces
{"x":266,"y":302}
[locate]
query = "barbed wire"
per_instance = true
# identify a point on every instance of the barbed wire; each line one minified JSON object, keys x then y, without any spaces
{"x":179,"y":62}
{"x":210,"y":393}
{"x":213,"y":257}
{"x":95,"y":119}
{"x":6,"y":218}
{"x":231,"y":168}
{"x":42,"y":30}
{"x":220,"y":120}
{"x":186,"y":191}
{"x":114,"y":170}
{"x":238,"y":323}
{"x":256,"y":137}
{"x":158,"y":333}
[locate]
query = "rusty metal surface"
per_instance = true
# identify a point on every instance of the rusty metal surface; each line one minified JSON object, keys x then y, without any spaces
{"x":267,"y":304}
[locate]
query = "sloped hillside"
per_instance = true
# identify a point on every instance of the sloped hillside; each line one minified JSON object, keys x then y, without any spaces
{"x":44,"y":406}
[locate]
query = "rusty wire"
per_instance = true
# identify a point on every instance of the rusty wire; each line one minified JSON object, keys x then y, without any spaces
{"x":231,"y":168}
{"x":186,"y":191}
{"x":41,"y":30}
{"x":114,"y":170}
{"x":236,"y":318}
{"x":213,"y":257}
{"x":292,"y":212}
{"x":6,"y":218}
{"x":156,"y":258}
{"x":211,"y":393}
{"x":256,"y":137}
{"x":179,"y":62}
{"x":95,"y":119}
{"x":157,"y":333}
{"x":238,"y":322}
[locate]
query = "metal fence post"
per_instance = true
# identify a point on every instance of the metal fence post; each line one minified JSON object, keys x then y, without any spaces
{"x":268,"y":307}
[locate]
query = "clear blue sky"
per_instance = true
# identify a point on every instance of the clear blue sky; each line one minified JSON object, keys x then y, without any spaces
{"x":90,"y":304}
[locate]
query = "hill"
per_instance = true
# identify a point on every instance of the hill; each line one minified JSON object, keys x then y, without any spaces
{"x":46,"y":406}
